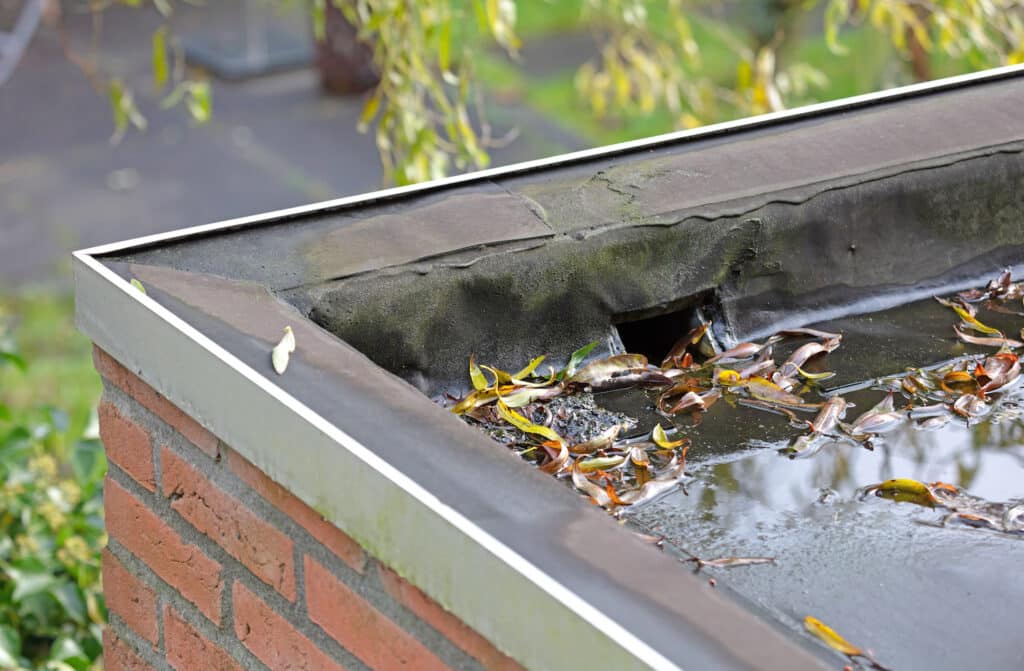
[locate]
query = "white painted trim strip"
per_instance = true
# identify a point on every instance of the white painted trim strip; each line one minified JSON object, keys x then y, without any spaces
{"x":628,"y":641}
{"x":562,"y":159}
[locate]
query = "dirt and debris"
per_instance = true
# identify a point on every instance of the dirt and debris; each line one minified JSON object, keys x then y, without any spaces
{"x":556,"y":421}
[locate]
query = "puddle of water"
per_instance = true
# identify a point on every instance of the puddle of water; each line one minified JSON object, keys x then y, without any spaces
{"x":886,"y":575}
{"x":918,"y":595}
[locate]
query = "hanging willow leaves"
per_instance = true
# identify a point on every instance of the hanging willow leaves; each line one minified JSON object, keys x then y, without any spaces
{"x":161,"y":68}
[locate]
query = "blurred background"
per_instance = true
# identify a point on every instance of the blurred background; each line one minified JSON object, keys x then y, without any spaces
{"x":121,"y":118}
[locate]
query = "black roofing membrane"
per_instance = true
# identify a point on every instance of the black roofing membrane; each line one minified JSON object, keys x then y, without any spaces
{"x":845,"y":220}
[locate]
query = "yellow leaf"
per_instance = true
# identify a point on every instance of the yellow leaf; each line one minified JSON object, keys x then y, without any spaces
{"x":199,"y":101}
{"x":905,"y":490}
{"x":662,"y":441}
{"x":728,"y":377}
{"x":369,"y":111}
{"x":525,"y":425}
{"x":476,"y":375}
{"x":444,"y":47}
{"x":829,"y":637}
{"x":475,"y":400}
{"x":161,"y":68}
{"x":528,"y":370}
{"x":690,"y":121}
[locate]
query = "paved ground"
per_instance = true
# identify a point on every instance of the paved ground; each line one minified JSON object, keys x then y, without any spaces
{"x":275,"y":142}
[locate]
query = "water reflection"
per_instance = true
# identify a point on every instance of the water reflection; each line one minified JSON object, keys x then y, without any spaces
{"x":987,"y":459}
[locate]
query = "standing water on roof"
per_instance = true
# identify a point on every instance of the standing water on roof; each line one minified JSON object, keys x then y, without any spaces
{"x":868,"y":471}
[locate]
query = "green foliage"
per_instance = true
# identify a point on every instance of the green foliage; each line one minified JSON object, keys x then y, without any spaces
{"x":51,"y":532}
{"x":659,"y":65}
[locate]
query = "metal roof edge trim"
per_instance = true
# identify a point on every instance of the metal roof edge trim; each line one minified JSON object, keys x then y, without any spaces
{"x":805,"y":112}
{"x":105,"y":302}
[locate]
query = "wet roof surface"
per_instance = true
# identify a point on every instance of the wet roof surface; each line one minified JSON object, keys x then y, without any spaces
{"x":879,"y":572}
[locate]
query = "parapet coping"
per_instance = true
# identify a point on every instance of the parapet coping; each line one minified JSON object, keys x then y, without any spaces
{"x":638,"y":611}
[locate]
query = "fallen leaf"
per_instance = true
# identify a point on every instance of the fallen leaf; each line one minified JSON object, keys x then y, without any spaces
{"x":987,"y":341}
{"x":476,"y":375}
{"x":600,"y":463}
{"x":678,"y":350}
{"x":661,"y":439}
{"x":530,"y":367}
{"x":904,"y":489}
{"x":767,"y":390}
{"x":602,"y":441}
{"x":814,"y":333}
{"x":966,"y":313}
{"x":609,"y":367}
{"x":526,"y":426}
{"x":475,"y":400}
{"x":282,"y":351}
{"x":830,"y":638}
{"x":575,"y":360}
{"x":729,"y":562}
{"x":138,"y":285}
{"x":527,"y":395}
{"x":596,"y":493}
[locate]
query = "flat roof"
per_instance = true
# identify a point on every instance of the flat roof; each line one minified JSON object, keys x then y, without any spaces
{"x":548,"y":578}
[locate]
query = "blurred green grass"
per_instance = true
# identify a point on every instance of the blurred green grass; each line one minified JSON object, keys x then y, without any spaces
{"x":59,"y":372}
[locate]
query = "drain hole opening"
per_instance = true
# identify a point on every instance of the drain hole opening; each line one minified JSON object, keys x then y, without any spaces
{"x":653,"y":335}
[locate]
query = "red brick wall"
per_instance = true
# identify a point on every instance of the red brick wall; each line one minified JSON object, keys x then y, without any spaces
{"x":213,"y":565}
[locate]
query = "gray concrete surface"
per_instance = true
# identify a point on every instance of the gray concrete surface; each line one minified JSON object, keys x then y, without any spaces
{"x":274,"y":142}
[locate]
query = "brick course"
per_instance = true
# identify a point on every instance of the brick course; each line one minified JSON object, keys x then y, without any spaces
{"x":357,"y":625}
{"x":270,"y":637}
{"x":454,"y":629}
{"x":205,"y":573}
{"x":128,"y":445}
{"x":119,"y":656}
{"x":323,"y":531}
{"x":144,"y":534}
{"x":187,"y":649}
{"x":130,"y":599}
{"x":263,"y":549}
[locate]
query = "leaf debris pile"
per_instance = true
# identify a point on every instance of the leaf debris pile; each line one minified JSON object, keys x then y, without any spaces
{"x":553,"y":420}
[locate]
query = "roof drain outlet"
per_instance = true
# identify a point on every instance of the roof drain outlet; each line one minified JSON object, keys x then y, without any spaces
{"x":653,"y":332}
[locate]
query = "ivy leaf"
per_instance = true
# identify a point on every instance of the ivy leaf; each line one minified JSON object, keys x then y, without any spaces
{"x":14,"y":359}
{"x":10,"y":648}
{"x":29,"y":580}
{"x":88,"y":461}
{"x":69,"y":596}
{"x":68,"y":651}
